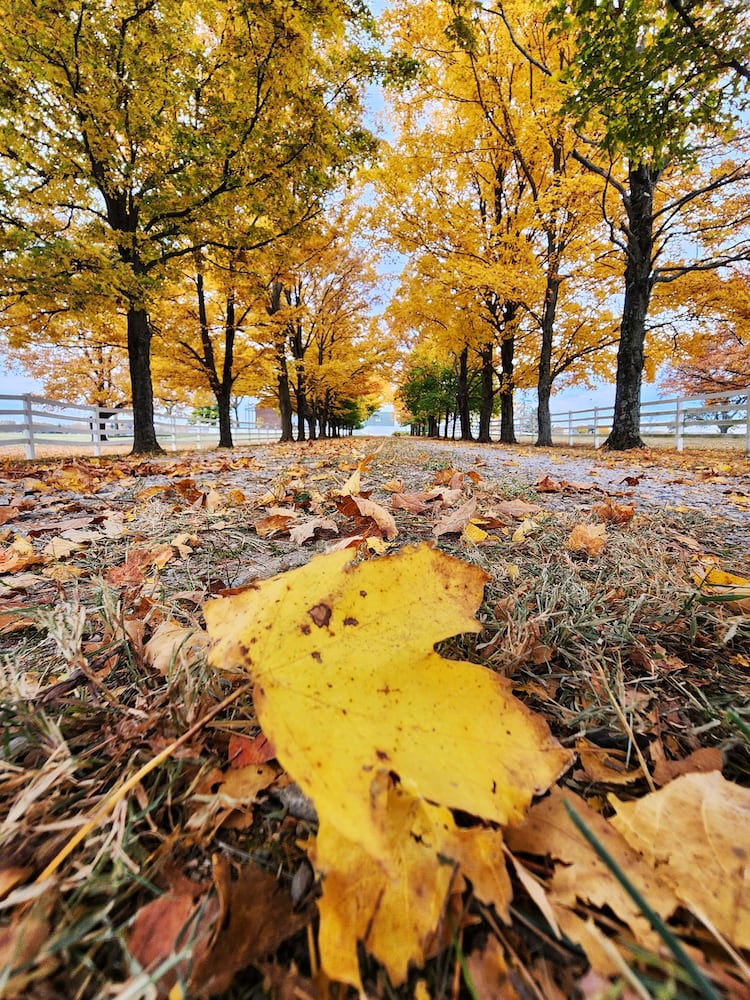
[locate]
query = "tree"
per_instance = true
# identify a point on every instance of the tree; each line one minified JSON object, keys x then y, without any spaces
{"x":653,"y":107}
{"x":208,"y":317}
{"x":82,"y":360}
{"x":711,"y":342}
{"x":126,"y":127}
{"x":488,"y":200}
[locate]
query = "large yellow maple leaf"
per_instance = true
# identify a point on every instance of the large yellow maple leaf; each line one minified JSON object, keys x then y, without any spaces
{"x":352,"y":693}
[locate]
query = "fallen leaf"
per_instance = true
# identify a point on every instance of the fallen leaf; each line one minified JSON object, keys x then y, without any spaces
{"x":246,"y":750}
{"x":582,"y":875}
{"x":699,"y":761}
{"x":474,"y":534}
{"x":392,"y":486}
{"x":456,"y":520}
{"x":514,"y":508}
{"x":607,"y":765}
{"x":173,"y":645}
{"x":588,"y":538}
{"x":256,"y":915}
{"x":304,"y":530}
{"x":175,"y":922}
{"x":414,"y":503}
{"x":60,"y":548}
{"x":489,"y":974}
{"x":383,"y":519}
{"x":694,"y":833}
{"x":731,"y":590}
{"x":19,"y":555}
{"x":23,"y":956}
{"x":356,"y":642}
{"x":612,"y":513}
{"x":548,"y":485}
{"x":279,"y":519}
{"x":523,"y":530}
{"x":394,"y":910}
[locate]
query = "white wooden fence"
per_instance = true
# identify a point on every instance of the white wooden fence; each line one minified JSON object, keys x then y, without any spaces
{"x":34,"y":422}
{"x":717,"y":413}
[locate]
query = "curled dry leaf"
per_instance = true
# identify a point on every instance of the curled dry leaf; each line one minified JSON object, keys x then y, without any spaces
{"x":382,"y":517}
{"x":174,"y":645}
{"x":613,"y":513}
{"x":588,"y":538}
{"x":455,"y":521}
{"x":301,"y":532}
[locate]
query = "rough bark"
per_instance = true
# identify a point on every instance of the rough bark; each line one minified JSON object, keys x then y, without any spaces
{"x":224,"y":396}
{"x":139,"y":359}
{"x":282,"y":372}
{"x":626,"y":425}
{"x":462,"y":396}
{"x":544,"y":371}
{"x":507,"y":431}
{"x":488,"y":394}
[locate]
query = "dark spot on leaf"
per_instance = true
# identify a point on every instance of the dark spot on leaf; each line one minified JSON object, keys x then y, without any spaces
{"x":320,"y":614}
{"x":305,"y":629}
{"x":382,"y":755}
{"x":351,"y":621}
{"x":316,"y":656}
{"x":363,"y":593}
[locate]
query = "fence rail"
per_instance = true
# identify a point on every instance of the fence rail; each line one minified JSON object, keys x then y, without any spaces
{"x":715,"y":413}
{"x":34,"y":421}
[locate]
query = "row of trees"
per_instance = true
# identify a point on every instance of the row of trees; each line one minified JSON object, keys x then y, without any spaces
{"x":567,"y":184}
{"x":164,"y":168}
{"x":557,"y":174}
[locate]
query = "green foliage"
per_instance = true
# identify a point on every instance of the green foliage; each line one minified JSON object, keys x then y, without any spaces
{"x":642,"y":77}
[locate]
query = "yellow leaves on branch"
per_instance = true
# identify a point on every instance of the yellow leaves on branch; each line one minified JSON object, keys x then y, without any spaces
{"x":387,"y":737}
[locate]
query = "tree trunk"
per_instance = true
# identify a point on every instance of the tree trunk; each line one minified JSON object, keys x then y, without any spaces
{"x":282,"y":372}
{"x":224,"y":406}
{"x":224,"y":397}
{"x":507,"y":350}
{"x":139,"y":359}
{"x":462,"y":396}
{"x":626,"y":426}
{"x":544,"y":372}
{"x":285,"y":402}
{"x":488,"y":395}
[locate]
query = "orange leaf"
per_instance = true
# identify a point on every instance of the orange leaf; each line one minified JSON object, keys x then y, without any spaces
{"x":246,"y":750}
{"x":588,"y":538}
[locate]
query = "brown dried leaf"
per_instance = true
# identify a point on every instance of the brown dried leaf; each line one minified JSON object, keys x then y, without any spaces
{"x":588,"y":538}
{"x":455,"y":521}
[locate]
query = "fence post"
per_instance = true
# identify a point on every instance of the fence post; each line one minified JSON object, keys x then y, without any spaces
{"x":174,"y":432}
{"x":96,"y":429}
{"x":28,"y":424}
{"x":596,"y":426}
{"x":747,"y":424}
{"x":678,"y":427}
{"x":570,"y":429}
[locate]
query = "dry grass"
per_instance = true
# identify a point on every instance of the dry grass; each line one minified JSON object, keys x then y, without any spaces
{"x":618,"y":648}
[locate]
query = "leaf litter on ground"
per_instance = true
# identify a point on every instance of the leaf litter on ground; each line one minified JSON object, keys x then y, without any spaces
{"x":621,"y":654}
